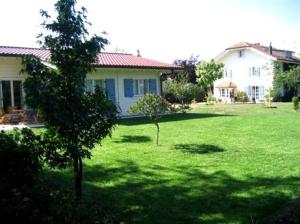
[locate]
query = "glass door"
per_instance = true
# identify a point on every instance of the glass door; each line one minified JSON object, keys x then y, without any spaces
{"x":17,"y":94}
{"x":6,"y":96}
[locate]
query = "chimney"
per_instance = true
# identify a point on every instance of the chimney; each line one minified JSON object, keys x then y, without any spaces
{"x":270,"y":48}
{"x":138,"y":53}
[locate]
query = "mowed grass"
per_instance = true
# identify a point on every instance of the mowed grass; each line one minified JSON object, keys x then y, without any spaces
{"x":215,"y":164}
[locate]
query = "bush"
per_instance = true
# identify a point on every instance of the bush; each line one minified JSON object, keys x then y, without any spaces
{"x":180,"y":92}
{"x":19,"y":159}
{"x":210,"y":99}
{"x":295,"y":101}
{"x":240,"y":96}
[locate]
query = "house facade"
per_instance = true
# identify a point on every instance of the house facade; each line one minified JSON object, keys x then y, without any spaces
{"x":124,"y":77}
{"x":249,"y":68}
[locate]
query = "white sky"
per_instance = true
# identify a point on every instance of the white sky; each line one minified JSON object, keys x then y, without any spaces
{"x":167,"y":29}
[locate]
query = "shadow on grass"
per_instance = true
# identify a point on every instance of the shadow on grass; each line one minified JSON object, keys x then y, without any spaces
{"x":198,"y":148}
{"x":170,"y":117}
{"x":133,"y":139}
{"x":181,"y":194}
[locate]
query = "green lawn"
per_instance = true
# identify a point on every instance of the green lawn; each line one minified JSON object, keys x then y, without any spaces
{"x":216,"y":164}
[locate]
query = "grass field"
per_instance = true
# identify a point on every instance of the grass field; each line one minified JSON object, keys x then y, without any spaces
{"x":215,"y":164}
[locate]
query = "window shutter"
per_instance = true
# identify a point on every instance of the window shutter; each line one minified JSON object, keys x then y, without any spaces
{"x":128,"y":87}
{"x":110,"y":89}
{"x":152,"y":86}
{"x":250,"y":72}
{"x":261,"y":92}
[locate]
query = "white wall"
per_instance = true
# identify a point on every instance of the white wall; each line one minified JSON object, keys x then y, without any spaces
{"x":240,"y":70}
{"x":10,"y":68}
{"x":119,"y":75}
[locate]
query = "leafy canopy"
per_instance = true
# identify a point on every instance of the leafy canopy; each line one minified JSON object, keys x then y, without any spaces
{"x":289,"y":79}
{"x":75,"y":119}
{"x":207,"y":73}
{"x":152,"y":106}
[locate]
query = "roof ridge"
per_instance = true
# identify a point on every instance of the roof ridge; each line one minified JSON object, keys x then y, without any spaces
{"x":32,"y":48}
{"x":107,"y":52}
{"x":44,"y":49}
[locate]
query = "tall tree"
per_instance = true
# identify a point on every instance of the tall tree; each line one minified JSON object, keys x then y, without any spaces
{"x":207,"y":73}
{"x":74,"y":118}
{"x":189,"y":68}
{"x":288,"y":81}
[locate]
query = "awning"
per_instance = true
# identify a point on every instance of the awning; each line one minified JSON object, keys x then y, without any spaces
{"x":226,"y":84}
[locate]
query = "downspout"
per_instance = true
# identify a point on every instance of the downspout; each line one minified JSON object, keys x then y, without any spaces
{"x":160,"y":84}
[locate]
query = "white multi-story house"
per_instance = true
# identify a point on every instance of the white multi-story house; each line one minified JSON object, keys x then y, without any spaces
{"x":249,"y":68}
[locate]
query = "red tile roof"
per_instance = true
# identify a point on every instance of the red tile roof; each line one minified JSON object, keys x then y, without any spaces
{"x":104,"y":59}
{"x":276,"y":53}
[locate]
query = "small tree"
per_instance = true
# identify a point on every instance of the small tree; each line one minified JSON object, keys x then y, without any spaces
{"x":207,"y":73}
{"x":295,"y":101}
{"x":75,"y":120}
{"x":183,"y":91}
{"x":153,"y":106}
{"x":269,"y":68}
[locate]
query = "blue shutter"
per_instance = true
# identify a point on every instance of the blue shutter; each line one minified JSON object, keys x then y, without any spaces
{"x":128,"y":87}
{"x":110,"y":89}
{"x":261,"y":93}
{"x":152,"y":86}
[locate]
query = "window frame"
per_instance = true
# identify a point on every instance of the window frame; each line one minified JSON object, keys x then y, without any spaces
{"x":141,"y":87}
{"x":93,"y":83}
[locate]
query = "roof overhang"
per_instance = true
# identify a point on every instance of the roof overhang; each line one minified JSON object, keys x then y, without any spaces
{"x":226,"y":85}
{"x":222,"y":55}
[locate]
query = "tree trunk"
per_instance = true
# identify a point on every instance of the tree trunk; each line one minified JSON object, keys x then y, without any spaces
{"x":78,"y":177}
{"x":157,"y":133}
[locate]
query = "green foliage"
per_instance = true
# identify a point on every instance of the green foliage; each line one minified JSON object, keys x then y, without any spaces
{"x":152,"y":106}
{"x":240,"y":96}
{"x":211,"y":99}
{"x":76,"y":120}
{"x":295,"y":101}
{"x":288,"y":81}
{"x":189,"y":68}
{"x":20,"y":159}
{"x":207,"y":73}
{"x":181,"y":91}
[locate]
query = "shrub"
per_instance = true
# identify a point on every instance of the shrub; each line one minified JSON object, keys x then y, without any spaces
{"x":240,"y":96}
{"x":19,"y":159}
{"x":182,"y":92}
{"x":152,"y":106}
{"x":295,"y":101}
{"x":169,"y":91}
{"x":210,"y":99}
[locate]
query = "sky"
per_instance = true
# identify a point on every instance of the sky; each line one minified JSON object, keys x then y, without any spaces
{"x":166,"y":30}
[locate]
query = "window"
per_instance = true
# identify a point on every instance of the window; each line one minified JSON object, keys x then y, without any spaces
{"x":140,"y":86}
{"x":241,"y":53}
{"x":90,"y":84}
{"x":254,"y":71}
{"x":227,"y":73}
{"x":224,"y":92}
{"x":254,"y":92}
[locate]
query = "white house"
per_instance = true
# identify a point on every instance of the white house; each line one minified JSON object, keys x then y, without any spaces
{"x":249,"y":68}
{"x":125,"y":77}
